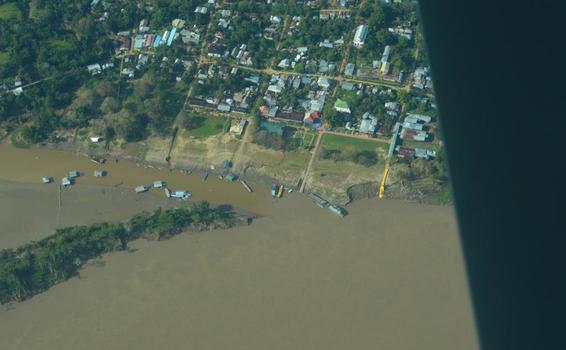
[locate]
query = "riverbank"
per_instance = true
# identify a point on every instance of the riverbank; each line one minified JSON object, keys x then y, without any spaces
{"x":34,"y":211}
{"x":256,"y":164}
{"x":299,"y":277}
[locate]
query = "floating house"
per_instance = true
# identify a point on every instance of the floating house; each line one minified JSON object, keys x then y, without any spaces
{"x":47,"y":179}
{"x":73,"y":174}
{"x":181,"y":194}
{"x":100,"y":173}
{"x":141,"y":189}
{"x":66,"y":182}
{"x":158,"y":184}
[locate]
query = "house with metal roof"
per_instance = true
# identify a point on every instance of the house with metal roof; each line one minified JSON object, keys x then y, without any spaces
{"x":360,"y":35}
{"x":342,"y":106}
{"x":368,"y":124}
{"x":349,"y":70}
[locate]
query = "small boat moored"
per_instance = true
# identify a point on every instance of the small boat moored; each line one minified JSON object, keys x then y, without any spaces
{"x":246,"y":186}
{"x":66,"y":181}
{"x":47,"y":179}
{"x":337,"y":210}
{"x":205,"y":175}
{"x":280,"y":191}
{"x":274,"y":189}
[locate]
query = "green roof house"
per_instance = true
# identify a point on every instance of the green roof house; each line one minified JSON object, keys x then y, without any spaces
{"x":342,"y":106}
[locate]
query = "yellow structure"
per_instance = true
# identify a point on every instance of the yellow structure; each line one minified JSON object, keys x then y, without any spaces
{"x":382,"y":185}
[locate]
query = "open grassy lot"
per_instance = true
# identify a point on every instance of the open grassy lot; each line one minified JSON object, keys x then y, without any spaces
{"x":9,"y":11}
{"x":330,"y":141}
{"x":209,"y":125}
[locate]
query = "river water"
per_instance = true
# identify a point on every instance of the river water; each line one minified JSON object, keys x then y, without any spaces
{"x":30,"y":165}
{"x":388,"y":276}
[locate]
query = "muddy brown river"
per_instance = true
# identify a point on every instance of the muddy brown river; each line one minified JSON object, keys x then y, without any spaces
{"x":388,"y":276}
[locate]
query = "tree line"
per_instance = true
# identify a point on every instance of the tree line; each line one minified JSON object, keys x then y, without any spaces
{"x":36,"y":266}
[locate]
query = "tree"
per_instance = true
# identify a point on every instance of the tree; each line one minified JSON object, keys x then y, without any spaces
{"x":109,"y":105}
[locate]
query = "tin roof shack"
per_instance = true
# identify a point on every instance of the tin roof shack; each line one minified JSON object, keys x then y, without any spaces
{"x":415,"y":135}
{"x":405,"y":152}
{"x":141,"y":189}
{"x":47,"y":179}
{"x":96,"y":139}
{"x":158,"y":184}
{"x":231,"y":177}
{"x":66,"y":182}
{"x":227,"y":164}
{"x":99,"y":173}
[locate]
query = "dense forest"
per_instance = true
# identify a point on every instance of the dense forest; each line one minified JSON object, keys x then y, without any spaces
{"x":37,"y":266}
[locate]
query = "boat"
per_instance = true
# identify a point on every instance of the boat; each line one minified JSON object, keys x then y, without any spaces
{"x":181,"y":194}
{"x":337,"y":210}
{"x":280,"y":191}
{"x":274,"y":189}
{"x":141,"y":189}
{"x":98,"y":160}
{"x":205,"y":175}
{"x":246,"y":186}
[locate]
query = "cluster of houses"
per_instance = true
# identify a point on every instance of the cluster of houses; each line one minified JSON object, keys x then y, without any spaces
{"x":308,"y":109}
{"x":368,"y":124}
{"x":238,"y":101}
{"x":179,"y":194}
{"x":422,"y":79}
{"x":413,"y":127}
{"x":402,"y":30}
{"x":69,"y":179}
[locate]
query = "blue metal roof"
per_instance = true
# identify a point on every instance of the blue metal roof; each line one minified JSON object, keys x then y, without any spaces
{"x":171,"y":36}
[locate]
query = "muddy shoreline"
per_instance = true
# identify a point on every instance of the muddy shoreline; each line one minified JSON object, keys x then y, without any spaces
{"x":353,"y":193}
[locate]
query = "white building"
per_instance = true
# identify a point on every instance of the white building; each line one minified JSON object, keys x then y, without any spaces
{"x":360,"y":36}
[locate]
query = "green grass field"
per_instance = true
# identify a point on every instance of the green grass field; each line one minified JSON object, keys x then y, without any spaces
{"x":59,"y":44}
{"x":330,"y":141}
{"x":9,"y":11}
{"x":4,"y":56}
{"x":212,"y":125}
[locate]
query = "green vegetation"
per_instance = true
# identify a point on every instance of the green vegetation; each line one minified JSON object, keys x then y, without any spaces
{"x":37,"y":266}
{"x":9,"y":11}
{"x":342,"y":148}
{"x":201,"y":125}
{"x":4,"y":57}
{"x":278,"y":137}
{"x":340,"y":142}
